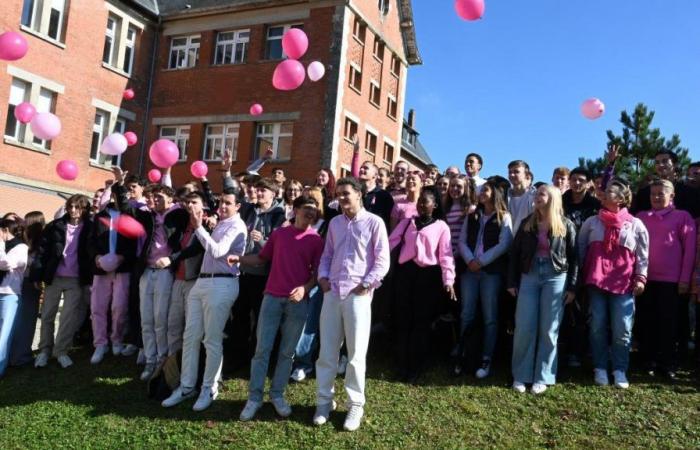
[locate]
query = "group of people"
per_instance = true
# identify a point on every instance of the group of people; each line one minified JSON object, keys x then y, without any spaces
{"x":327,"y":267}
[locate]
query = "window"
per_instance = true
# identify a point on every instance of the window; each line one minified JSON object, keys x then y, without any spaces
{"x":19,"y":92}
{"x":34,"y":11}
{"x":375,"y":93}
{"x":370,"y":143}
{"x":350,"y":129}
{"x":395,"y":66}
{"x":129,"y":50}
{"x":383,"y":6}
{"x":359,"y":31}
{"x":120,"y":43}
{"x":232,"y":47}
{"x":46,"y":103}
{"x":275,"y":135}
{"x":180,"y":136}
{"x":355,"y":78}
{"x":388,"y":155}
{"x":218,"y":138}
{"x":184,"y":52}
{"x":273,"y":45}
{"x":391,"y":107}
{"x":108,"y":53}
{"x":100,"y":130}
{"x":378,"y":50}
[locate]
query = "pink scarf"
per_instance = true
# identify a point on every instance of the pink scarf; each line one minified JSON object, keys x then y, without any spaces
{"x":613,"y":224}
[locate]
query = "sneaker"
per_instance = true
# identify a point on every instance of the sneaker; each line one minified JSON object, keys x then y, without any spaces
{"x":519,"y":387}
{"x":148,"y":372}
{"x":117,"y":349}
{"x":457,"y":370}
{"x":65,"y":361}
{"x":177,"y":397}
{"x":206,"y":396}
{"x":41,"y":360}
{"x":141,"y":358}
{"x":99,"y":354}
{"x":129,"y":349}
{"x":484,"y":370}
{"x":342,"y":365}
{"x":323,"y":412}
{"x":298,"y":375}
{"x":600,"y":376}
{"x":281,"y":406}
{"x":250,"y":410}
{"x":354,"y":417}
{"x":538,"y":388}
{"x":620,"y":380}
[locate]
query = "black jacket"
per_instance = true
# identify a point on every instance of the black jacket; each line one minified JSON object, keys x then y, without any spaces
{"x":492,"y":234}
{"x":579,"y":212}
{"x":563,"y":252}
{"x":50,"y":252}
{"x":99,"y":244}
{"x":379,"y":202}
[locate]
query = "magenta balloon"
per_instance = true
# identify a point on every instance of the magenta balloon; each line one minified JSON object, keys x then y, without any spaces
{"x":25,"y":112}
{"x":131,"y":138}
{"x":316,"y":70}
{"x":154,"y":175}
{"x":45,"y":126}
{"x":295,"y":43}
{"x":128,"y":94}
{"x":67,"y":169}
{"x":199,"y":169}
{"x":289,"y":75}
{"x":470,"y":9}
{"x":592,"y":108}
{"x":256,"y":109}
{"x":13,"y":46}
{"x":164,"y":153}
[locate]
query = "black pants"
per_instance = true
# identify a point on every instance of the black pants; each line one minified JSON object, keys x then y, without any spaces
{"x":574,"y":333}
{"x":657,"y":315}
{"x":419,"y":293}
{"x":241,"y":326}
{"x":133,"y":335}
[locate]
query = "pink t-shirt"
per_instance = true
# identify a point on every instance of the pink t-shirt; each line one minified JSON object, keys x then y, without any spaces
{"x":295,"y":256}
{"x":68,"y":267}
{"x":543,"y":244}
{"x":404,"y":210}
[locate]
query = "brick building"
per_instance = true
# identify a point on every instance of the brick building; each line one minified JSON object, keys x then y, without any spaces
{"x":196,"y":67}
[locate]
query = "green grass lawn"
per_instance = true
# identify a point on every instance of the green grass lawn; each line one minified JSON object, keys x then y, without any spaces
{"x":106,"y":407}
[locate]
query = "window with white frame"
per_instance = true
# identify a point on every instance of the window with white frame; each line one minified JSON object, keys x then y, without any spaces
{"x":34,"y":12}
{"x":275,"y":135}
{"x":180,"y":135}
{"x":184,"y":52}
{"x":232,"y":47}
{"x":359,"y":31}
{"x":100,"y":130}
{"x":220,"y":137}
{"x":378,"y":49}
{"x":108,"y":52}
{"x":350,"y":129}
{"x":129,"y":46}
{"x":273,"y":44}
{"x":388,"y":155}
{"x":370,"y":143}
{"x":375,"y":93}
{"x":395,"y":66}
{"x":391,"y":107}
{"x":45,"y":103}
{"x":19,"y":92}
{"x":355,"y":78}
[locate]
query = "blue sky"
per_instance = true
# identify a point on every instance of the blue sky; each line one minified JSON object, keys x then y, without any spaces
{"x":510,"y":86}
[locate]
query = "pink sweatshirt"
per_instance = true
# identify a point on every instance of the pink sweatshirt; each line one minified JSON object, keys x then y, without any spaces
{"x":672,"y":238}
{"x":429,"y":246}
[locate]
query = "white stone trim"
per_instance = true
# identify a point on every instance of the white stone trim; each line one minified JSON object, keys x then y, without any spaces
{"x":372,"y":130}
{"x":389,"y":141}
{"x":125,"y":16}
{"x":227,"y":118}
{"x":114,"y":111}
{"x":339,"y":110}
{"x":352,"y":116}
{"x":36,"y":79}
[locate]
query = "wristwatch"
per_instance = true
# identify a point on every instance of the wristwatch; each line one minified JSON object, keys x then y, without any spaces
{"x":365,"y":285}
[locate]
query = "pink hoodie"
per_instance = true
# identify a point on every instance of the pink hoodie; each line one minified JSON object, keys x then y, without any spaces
{"x":429,"y":246}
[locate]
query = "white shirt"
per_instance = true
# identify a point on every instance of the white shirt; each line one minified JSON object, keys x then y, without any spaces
{"x":228,"y":238}
{"x":15,"y":262}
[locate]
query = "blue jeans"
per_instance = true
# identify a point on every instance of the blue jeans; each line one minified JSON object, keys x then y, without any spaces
{"x":476,"y":286}
{"x":617,"y":312}
{"x":307,"y":347}
{"x":8,"y":310}
{"x":276,"y":312}
{"x":538,"y":313}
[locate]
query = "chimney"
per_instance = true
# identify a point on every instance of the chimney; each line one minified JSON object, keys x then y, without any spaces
{"x":412,"y":118}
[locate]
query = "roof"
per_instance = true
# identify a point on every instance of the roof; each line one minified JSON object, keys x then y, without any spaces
{"x":416,"y":150}
{"x":408,"y":30}
{"x":150,"y":6}
{"x":176,"y":6}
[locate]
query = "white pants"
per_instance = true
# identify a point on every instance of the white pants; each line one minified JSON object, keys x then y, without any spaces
{"x":176,"y":314}
{"x":154,"y":291}
{"x":346,"y":319}
{"x":208,"y":308}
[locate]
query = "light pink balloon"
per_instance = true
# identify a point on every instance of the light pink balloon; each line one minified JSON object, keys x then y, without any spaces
{"x":164,"y":153}
{"x":316,"y":70}
{"x":289,"y":75}
{"x":154,"y":175}
{"x":115,"y":144}
{"x":67,"y":169}
{"x":45,"y":126}
{"x":13,"y":46}
{"x":470,"y":9}
{"x":199,"y":169}
{"x":256,"y":109}
{"x":109,"y":262}
{"x":295,"y":43}
{"x":128,"y":94}
{"x":131,"y":138}
{"x":592,"y":108}
{"x":25,"y":112}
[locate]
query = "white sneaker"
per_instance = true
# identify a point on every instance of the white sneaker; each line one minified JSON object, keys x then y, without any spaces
{"x":281,"y":406}
{"x":620,"y":379}
{"x":41,"y":360}
{"x":519,"y":387}
{"x":250,"y":409}
{"x":298,"y":375}
{"x":600,"y":376}
{"x":354,"y":418}
{"x":147,"y":372}
{"x":484,"y":370}
{"x":178,"y":396}
{"x":538,"y":388}
{"x":342,"y":365}
{"x":65,"y":361}
{"x":323,"y":412}
{"x":129,"y":349}
{"x":206,"y":396}
{"x":117,"y":349}
{"x":99,"y":354}
{"x":141,"y":358}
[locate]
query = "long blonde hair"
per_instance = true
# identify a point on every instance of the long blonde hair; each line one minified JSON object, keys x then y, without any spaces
{"x":554,"y":210}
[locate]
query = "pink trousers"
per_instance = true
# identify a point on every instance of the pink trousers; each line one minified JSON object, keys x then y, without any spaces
{"x":109,"y":290}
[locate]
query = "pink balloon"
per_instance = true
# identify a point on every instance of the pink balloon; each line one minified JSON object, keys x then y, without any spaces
{"x":164,"y":153}
{"x":45,"y":126}
{"x":316,"y":70}
{"x":592,"y":108}
{"x":114,"y":144}
{"x":295,"y":43}
{"x":199,"y":169}
{"x":256,"y":109}
{"x":13,"y":46}
{"x":128,"y":94}
{"x":289,"y":75}
{"x":67,"y":169}
{"x":129,"y":227}
{"x":131,"y":138}
{"x":154,"y":175}
{"x":470,"y":9}
{"x":25,"y":112}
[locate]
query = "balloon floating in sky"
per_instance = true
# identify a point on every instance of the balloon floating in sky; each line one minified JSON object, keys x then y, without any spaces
{"x":470,"y":9}
{"x":154,"y":175}
{"x":289,"y":75}
{"x":67,"y":169}
{"x":13,"y":46}
{"x":25,"y":112}
{"x":316,"y":70}
{"x":592,"y":108}
{"x":164,"y":153}
{"x":45,"y":126}
{"x":295,"y":43}
{"x":199,"y":169}
{"x":256,"y":109}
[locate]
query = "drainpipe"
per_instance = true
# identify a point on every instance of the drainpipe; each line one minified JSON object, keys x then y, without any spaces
{"x":147,"y":116}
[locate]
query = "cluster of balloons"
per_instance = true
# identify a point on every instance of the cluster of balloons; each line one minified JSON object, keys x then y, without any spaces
{"x":290,"y":73}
